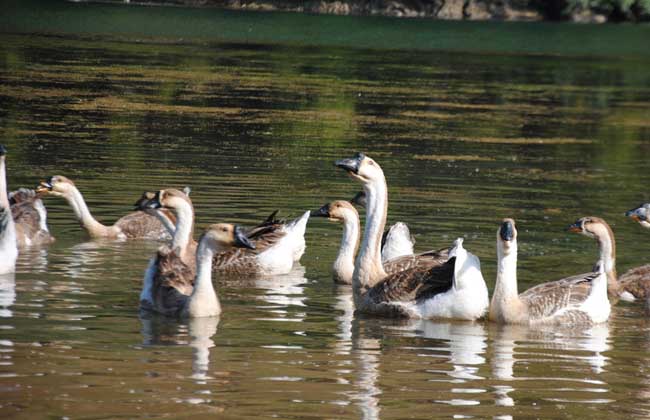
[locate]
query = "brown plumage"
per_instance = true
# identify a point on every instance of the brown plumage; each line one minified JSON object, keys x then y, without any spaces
{"x":30,"y":218}
{"x":173,"y":282}
{"x":411,"y":285}
{"x":544,"y":300}
{"x":636,"y":281}
{"x":425,"y":260}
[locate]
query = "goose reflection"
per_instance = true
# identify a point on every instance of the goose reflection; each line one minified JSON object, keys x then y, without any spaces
{"x":7,"y":294}
{"x":196,"y":332}
{"x":284,"y":291}
{"x":512,"y":344}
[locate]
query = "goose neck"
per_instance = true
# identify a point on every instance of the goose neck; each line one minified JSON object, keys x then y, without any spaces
{"x":344,"y":264}
{"x":184,"y":228}
{"x":94,"y":228}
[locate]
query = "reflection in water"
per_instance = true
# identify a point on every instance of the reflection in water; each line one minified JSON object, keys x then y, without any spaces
{"x":284,"y":291}
{"x":158,"y":330}
{"x":531,"y":345}
{"x":7,"y":294}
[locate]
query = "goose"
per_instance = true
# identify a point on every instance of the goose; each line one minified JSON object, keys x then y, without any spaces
{"x":598,"y":229}
{"x":574,"y":301}
{"x":343,"y":267}
{"x":133,"y":225}
{"x":635,"y":283}
{"x":30,"y":218}
{"x":453,"y":289}
{"x":8,"y":242}
{"x":277,"y":244}
{"x":166,"y":218}
{"x":397,"y":241}
{"x":175,"y":296}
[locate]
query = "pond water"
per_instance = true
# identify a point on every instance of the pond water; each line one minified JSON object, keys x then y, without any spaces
{"x":465,"y":139}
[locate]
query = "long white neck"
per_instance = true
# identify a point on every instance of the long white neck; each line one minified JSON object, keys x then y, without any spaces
{"x":204,"y":300}
{"x":164,"y":220}
{"x":343,"y":267}
{"x":8,"y":243}
{"x":505,"y":290}
{"x":4,"y":199}
{"x":81,"y":211}
{"x":607,"y":257}
{"x":368,"y":269}
{"x":184,"y":226}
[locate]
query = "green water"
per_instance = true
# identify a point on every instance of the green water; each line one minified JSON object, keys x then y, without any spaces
{"x":253,"y":123}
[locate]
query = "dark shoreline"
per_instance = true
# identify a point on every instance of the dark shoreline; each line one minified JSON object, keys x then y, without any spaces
{"x":481,"y":10}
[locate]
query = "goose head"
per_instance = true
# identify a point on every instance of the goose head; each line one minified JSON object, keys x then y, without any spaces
{"x":170,"y":199}
{"x":225,"y":235}
{"x":359,"y":199}
{"x":641,"y":214}
{"x":57,"y":185}
{"x":507,"y":237}
{"x":361,"y":168}
{"x":592,"y":227}
{"x":337,"y":211}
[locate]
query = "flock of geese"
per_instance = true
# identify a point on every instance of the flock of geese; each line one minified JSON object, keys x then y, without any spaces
{"x":388,"y":278}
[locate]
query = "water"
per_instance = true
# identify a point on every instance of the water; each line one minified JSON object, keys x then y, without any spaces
{"x":465,"y":139}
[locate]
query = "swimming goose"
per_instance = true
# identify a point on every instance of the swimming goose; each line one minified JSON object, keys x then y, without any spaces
{"x":397,"y":241}
{"x":133,"y":225}
{"x":277,"y":244}
{"x":30,"y":218}
{"x":573,"y":301}
{"x":454,"y":289}
{"x":635,"y":283}
{"x":597,"y":228}
{"x":174,"y":296}
{"x":8,"y":244}
{"x":343,"y":267}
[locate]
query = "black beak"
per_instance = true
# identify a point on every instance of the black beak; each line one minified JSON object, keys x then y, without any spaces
{"x":241,"y":241}
{"x":575,"y":227}
{"x":507,"y":231}
{"x":359,"y":199}
{"x":3,"y":150}
{"x":149,"y":204}
{"x":143,"y":201}
{"x":640,"y":214}
{"x":44,"y":186}
{"x":351,"y":164}
{"x":321,"y":212}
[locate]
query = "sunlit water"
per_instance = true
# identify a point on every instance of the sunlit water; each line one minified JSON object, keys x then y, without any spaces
{"x":464,"y":140}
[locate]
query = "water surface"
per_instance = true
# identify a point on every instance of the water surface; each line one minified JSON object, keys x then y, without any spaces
{"x":465,"y":139}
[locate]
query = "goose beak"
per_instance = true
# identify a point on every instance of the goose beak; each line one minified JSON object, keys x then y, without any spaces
{"x":3,"y":150}
{"x":241,"y":241}
{"x":575,"y":227}
{"x":145,"y":203}
{"x":321,"y":212}
{"x":44,"y":187}
{"x":507,"y":231}
{"x":638,"y":214}
{"x":351,"y":164}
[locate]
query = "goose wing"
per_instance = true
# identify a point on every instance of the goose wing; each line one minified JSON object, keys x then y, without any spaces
{"x":425,"y":260}
{"x":173,"y":282}
{"x":547,"y":299}
{"x":414,"y":284}
{"x":636,"y":281}
{"x":142,"y":225}
{"x":267,"y":233}
{"x":30,"y":222}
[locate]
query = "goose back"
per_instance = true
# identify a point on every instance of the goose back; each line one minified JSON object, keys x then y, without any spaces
{"x":173,"y":282}
{"x":142,"y":225}
{"x":30,"y":218}
{"x":635,"y":283}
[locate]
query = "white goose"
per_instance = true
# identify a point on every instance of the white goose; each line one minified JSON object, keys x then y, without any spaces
{"x":8,"y":244}
{"x":455,"y":289}
{"x":574,"y":301}
{"x":343,"y":267}
{"x":133,"y":225}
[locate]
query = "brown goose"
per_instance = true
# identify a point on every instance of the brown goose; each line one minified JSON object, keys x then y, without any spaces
{"x":635,"y":283}
{"x":8,"y":244}
{"x":276,"y":242}
{"x":598,"y":229}
{"x":455,"y":289}
{"x":575,"y":301}
{"x":30,"y":218}
{"x":133,"y":225}
{"x":343,"y":267}
{"x":176,"y":295}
